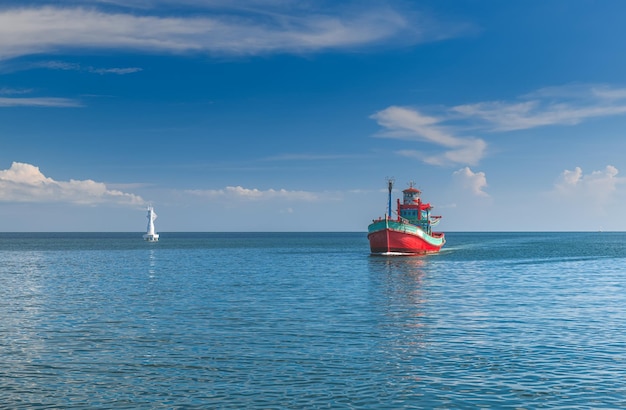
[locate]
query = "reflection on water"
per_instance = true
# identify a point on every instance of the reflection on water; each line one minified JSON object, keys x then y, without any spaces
{"x":399,"y":281}
{"x":402,"y":276}
{"x":151,"y":263}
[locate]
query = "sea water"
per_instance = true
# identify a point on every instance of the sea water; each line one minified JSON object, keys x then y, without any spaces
{"x":311,"y":320}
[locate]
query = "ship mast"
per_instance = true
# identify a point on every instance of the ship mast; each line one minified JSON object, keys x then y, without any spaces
{"x":390,"y":182}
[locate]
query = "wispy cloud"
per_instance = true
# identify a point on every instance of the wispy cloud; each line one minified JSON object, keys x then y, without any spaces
{"x":565,"y":105}
{"x":15,"y":91}
{"x":66,"y":66}
{"x":475,"y":182}
{"x":26,"y":183}
{"x":410,"y":124}
{"x":8,"y":99}
{"x":39,"y":102}
{"x":118,"y":71}
{"x":448,"y":128}
{"x":248,"y":31}
{"x":238,"y":192}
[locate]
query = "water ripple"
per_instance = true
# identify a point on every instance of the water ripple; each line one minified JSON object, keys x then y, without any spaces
{"x":310,"y":321}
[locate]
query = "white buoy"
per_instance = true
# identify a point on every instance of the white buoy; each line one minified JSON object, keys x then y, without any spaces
{"x":150,"y":235}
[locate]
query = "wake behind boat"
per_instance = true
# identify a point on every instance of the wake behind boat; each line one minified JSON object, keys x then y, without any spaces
{"x":411,"y":232}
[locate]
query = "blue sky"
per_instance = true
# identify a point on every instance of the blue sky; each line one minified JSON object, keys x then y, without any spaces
{"x":280,"y":115}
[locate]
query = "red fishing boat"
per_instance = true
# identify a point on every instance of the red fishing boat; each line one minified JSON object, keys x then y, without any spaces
{"x":410,"y":233}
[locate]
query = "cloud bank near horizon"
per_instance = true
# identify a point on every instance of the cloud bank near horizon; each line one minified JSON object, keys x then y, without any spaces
{"x":596,"y":187}
{"x":26,"y":183}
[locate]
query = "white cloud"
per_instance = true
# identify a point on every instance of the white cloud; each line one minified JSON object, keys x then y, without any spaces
{"x":570,"y":178}
{"x":15,"y":91}
{"x":118,"y":71}
{"x":66,"y":66}
{"x":596,"y":187}
{"x":238,"y":192}
{"x":49,"y":29}
{"x":565,"y":105}
{"x":39,"y":102}
{"x":410,"y":124}
{"x":26,"y":183}
{"x":475,"y":182}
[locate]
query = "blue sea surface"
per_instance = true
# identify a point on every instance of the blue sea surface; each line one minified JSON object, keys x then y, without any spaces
{"x":311,"y":320}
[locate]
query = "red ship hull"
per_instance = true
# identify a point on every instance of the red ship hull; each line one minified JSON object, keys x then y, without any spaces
{"x":388,"y":241}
